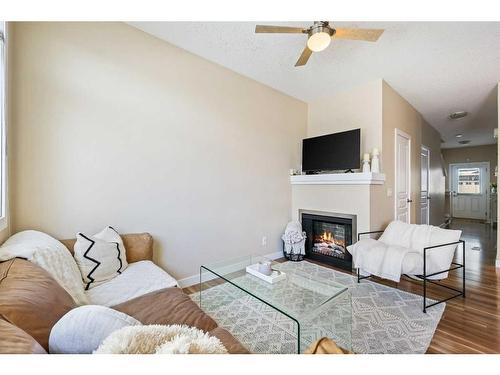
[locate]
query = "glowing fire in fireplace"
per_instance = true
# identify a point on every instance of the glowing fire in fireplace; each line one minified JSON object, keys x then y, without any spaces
{"x":327,"y":243}
{"x":327,"y":236}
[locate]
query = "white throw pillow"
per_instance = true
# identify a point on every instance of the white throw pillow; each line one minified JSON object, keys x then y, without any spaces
{"x":50,"y":254}
{"x":82,"y":330}
{"x":441,"y":257}
{"x":99,"y":259}
{"x":398,"y":233}
{"x":109,"y":234}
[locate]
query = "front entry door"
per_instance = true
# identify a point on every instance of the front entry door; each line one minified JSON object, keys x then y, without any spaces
{"x":402,"y":177}
{"x":424,"y":181}
{"x":469,"y":187}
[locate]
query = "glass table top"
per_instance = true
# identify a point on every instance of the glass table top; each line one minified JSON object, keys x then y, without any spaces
{"x":298,"y":295}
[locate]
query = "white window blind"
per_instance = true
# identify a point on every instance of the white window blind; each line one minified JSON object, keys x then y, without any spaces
{"x":3,"y":106}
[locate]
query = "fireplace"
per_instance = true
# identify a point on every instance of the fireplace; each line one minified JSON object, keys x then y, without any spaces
{"x":328,"y":236}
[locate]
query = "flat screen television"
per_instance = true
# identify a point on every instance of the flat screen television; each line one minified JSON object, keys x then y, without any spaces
{"x":338,"y":151}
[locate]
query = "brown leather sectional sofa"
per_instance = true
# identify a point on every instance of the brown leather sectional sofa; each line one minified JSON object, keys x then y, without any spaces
{"x":31,"y":302}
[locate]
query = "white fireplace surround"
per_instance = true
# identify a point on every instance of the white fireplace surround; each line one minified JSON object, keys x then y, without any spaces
{"x":341,"y":193}
{"x":353,"y":219}
{"x":367,"y":178}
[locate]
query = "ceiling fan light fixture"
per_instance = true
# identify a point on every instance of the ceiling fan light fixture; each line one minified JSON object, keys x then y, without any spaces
{"x":319,"y":36}
{"x":457,"y":115}
{"x":319,"y":41}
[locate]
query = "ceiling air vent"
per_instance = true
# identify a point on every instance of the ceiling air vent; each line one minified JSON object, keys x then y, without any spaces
{"x":457,"y":115}
{"x":464,"y":142}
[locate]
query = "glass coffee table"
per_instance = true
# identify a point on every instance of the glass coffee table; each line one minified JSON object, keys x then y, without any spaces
{"x":310,"y":305}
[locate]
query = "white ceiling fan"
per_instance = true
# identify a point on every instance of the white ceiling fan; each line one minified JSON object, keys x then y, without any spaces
{"x":320,"y":35}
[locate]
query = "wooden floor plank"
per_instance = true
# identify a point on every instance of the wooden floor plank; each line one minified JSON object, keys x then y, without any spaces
{"x":470,"y":325}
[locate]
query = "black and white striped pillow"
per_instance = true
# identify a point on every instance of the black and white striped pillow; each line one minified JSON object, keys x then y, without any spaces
{"x":100,"y":257}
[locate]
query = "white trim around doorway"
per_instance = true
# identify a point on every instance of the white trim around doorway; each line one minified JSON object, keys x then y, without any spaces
{"x":423,"y":147}
{"x":478,"y":164}
{"x":407,"y":136}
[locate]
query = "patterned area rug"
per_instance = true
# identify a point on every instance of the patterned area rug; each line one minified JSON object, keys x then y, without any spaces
{"x":383,"y":320}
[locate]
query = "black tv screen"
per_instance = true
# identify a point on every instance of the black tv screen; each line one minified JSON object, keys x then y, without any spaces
{"x":338,"y":151}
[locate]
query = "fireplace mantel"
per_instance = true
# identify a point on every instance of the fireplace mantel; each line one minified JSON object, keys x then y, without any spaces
{"x":339,"y":179}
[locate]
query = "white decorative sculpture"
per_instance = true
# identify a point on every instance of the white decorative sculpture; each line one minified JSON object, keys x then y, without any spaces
{"x":366,"y":163}
{"x":294,"y":240}
{"x":375,"y":161}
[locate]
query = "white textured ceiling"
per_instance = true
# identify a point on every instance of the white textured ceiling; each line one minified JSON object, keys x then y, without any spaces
{"x":439,"y":67}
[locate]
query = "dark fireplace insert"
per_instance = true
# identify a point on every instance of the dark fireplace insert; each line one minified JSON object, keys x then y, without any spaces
{"x":328,"y":238}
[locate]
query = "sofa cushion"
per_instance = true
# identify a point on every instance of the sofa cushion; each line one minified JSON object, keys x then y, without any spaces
{"x":50,"y":254}
{"x":173,"y":306}
{"x":232,"y":345}
{"x":139,"y":246}
{"x":15,"y":341}
{"x":83,"y":329}
{"x":138,"y":279}
{"x":31,"y":299}
{"x":167,"y":306}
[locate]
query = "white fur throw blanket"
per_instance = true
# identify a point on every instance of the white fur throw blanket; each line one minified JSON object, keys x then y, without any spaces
{"x":160,"y":339}
{"x":50,"y":254}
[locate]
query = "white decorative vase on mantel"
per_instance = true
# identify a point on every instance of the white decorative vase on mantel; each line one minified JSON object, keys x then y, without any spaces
{"x":366,"y":163}
{"x":375,"y":161}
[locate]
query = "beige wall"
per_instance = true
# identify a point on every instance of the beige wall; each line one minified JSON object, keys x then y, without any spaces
{"x":432,"y":140}
{"x":114,"y":126}
{"x":378,"y":110}
{"x":471,"y":155}
{"x":397,"y":113}
{"x":498,"y":163}
{"x":360,"y":107}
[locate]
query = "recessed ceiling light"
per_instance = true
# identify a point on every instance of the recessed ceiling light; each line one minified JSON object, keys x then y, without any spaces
{"x":459,"y":135}
{"x":457,"y":115}
{"x":464,"y":142}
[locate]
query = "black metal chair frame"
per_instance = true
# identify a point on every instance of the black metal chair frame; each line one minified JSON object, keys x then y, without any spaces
{"x":425,"y":277}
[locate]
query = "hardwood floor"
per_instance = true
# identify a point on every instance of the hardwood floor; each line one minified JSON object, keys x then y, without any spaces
{"x":471,"y":324}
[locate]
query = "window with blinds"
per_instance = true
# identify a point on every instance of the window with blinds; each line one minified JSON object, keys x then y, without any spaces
{"x":3,"y":106}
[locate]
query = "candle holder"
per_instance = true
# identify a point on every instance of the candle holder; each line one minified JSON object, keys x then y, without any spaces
{"x":366,"y":163}
{"x":375,"y":161}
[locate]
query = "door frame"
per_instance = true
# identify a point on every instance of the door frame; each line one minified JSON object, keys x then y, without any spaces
{"x":471,"y":164}
{"x":408,"y":137}
{"x":423,"y":147}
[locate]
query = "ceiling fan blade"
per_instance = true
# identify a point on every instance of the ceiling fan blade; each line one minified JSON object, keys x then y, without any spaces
{"x":278,"y":29}
{"x":306,"y":53}
{"x":370,"y":35}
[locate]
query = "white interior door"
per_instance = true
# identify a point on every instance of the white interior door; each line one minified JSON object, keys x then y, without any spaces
{"x":402,"y":177}
{"x":469,"y":186}
{"x":424,"y":185}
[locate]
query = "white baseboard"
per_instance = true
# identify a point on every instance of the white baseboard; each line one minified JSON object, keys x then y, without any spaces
{"x":497,"y":263}
{"x":195,"y":279}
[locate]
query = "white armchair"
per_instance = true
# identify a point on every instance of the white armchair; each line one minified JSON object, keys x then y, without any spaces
{"x":420,"y":251}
